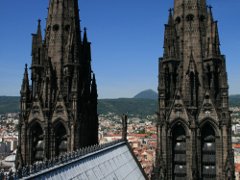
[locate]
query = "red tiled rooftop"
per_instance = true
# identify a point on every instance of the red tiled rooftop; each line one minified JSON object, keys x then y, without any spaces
{"x":237,"y":167}
{"x":138,"y":135}
{"x":154,"y":136}
{"x":236,"y":145}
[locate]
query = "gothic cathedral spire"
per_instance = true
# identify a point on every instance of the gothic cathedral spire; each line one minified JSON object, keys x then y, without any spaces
{"x":63,"y":36}
{"x":194,"y":124}
{"x":59,"y":111}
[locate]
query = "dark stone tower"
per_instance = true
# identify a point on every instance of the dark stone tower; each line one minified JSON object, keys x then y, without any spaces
{"x":194,"y":124}
{"x":59,"y":109}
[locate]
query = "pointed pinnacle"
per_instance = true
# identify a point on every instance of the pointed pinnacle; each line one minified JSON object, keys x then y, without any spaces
{"x":170,"y":17}
{"x":94,"y":79}
{"x":25,"y":83}
{"x":94,"y":86}
{"x":210,"y":8}
{"x":26,"y":72}
{"x":39,"y":24}
{"x":210,"y":13}
{"x":85,"y":35}
{"x":39,"y":31}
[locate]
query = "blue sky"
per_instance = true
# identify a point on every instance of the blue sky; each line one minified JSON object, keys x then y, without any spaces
{"x":126,"y":36}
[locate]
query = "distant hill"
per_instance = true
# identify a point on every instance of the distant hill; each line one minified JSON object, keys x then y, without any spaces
{"x":133,"y":106}
{"x":9,"y":104}
{"x":234,"y":100}
{"x":147,"y":94}
{"x":140,"y":105}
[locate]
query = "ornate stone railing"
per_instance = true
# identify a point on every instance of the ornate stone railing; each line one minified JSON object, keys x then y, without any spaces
{"x":40,"y":167}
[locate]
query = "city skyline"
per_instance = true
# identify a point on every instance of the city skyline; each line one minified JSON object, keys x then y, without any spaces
{"x":127,"y":40}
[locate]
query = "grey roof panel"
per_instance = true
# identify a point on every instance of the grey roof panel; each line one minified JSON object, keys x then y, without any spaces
{"x":115,"y":162}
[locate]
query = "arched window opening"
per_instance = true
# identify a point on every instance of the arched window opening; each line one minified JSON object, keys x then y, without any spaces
{"x":67,"y":27}
{"x":178,"y":20}
{"x":55,"y":27}
{"x":60,"y":139}
{"x":202,"y":18}
{"x":37,"y":145}
{"x":208,"y":153}
{"x":190,"y":17}
{"x":179,"y":153}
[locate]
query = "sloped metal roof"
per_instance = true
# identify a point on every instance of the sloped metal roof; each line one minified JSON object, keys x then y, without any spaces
{"x":113,"y":162}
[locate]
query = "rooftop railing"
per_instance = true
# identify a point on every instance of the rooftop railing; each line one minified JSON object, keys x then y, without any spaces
{"x":39,"y":168}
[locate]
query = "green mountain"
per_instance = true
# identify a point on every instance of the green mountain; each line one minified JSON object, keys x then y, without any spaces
{"x":9,"y":104}
{"x":234,"y":100}
{"x":132,"y":106}
{"x":136,"y":106}
{"x":147,"y":94}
